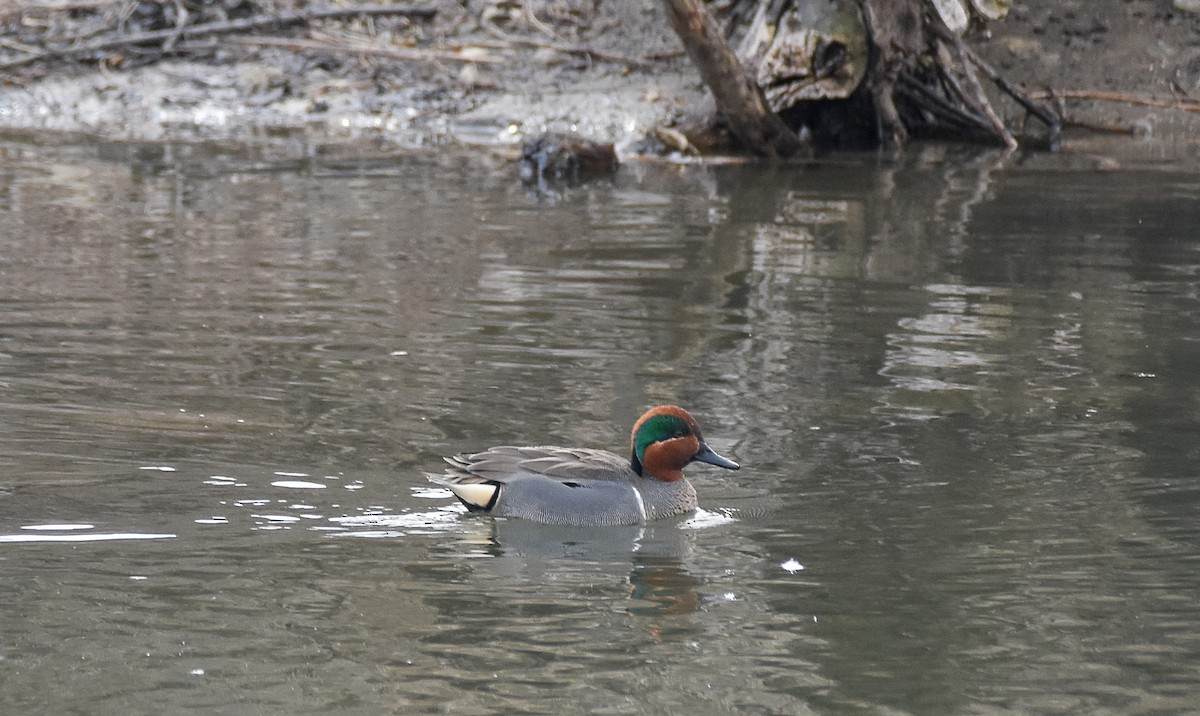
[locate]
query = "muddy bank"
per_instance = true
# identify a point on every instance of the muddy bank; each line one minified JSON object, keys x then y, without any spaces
{"x":478,"y":74}
{"x":492,"y":73}
{"x":1124,"y":51}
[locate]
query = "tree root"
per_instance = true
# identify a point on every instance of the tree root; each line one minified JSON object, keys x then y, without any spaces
{"x":739,"y":99}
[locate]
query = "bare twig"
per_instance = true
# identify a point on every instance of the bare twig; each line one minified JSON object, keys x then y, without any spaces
{"x":18,"y":46}
{"x":945,"y":69}
{"x":364,"y":49}
{"x":981,"y":98}
{"x":588,"y":52}
{"x":542,"y":27}
{"x":60,"y":6}
{"x":931,"y":101}
{"x":1121,"y":97}
{"x":257,"y":22}
{"x":1007,"y":87}
{"x":181,"y":18}
{"x":1099,"y":128}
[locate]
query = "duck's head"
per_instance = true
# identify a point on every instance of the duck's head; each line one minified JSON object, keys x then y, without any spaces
{"x":665,"y":439}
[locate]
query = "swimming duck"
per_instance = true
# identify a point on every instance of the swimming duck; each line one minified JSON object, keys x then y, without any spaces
{"x":585,"y":487}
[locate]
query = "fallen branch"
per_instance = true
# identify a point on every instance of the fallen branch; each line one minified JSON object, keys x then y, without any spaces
{"x":981,"y":99}
{"x":207,"y":29}
{"x":633,"y":62}
{"x":363,"y":49}
{"x":1007,"y":87}
{"x":1099,"y":128}
{"x":1121,"y":97}
{"x":18,"y":46}
{"x":929,"y":100}
{"x":60,"y":6}
{"x":181,"y":19}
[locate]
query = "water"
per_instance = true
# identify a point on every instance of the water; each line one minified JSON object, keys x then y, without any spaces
{"x":963,"y":388}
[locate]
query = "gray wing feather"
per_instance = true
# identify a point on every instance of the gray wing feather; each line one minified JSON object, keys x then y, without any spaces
{"x":507,"y":463}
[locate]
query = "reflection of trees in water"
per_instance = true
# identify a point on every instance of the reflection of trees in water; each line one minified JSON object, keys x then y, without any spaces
{"x":973,"y":347}
{"x":910,"y":262}
{"x":999,"y":366}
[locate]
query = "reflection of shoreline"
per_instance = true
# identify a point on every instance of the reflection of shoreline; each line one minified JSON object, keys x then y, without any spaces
{"x":908,"y":261}
{"x":893,"y":224}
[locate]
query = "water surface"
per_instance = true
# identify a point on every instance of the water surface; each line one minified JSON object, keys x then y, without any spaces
{"x":963,"y":387}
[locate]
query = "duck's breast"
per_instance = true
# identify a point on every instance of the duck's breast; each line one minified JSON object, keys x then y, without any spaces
{"x":667,"y":499}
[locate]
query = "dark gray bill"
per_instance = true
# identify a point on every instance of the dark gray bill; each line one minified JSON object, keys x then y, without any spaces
{"x":706,"y":454}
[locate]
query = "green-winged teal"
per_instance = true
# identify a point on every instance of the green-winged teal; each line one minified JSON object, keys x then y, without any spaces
{"x":585,"y":487}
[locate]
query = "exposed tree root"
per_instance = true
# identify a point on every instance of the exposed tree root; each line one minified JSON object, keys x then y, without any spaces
{"x":921,"y":77}
{"x":738,"y":98}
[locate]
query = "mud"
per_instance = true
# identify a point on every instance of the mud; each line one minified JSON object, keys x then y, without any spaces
{"x":1135,"y":48}
{"x":525,"y":82}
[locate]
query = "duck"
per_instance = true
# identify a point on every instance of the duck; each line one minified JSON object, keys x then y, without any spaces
{"x":587,"y":487}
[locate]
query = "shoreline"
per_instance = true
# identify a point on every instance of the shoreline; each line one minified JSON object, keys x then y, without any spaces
{"x":270,"y":94}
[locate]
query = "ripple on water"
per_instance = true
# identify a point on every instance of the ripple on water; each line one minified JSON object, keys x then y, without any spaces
{"x":82,"y":536}
{"x":704,"y":519}
{"x":298,"y":485}
{"x":390,"y":525}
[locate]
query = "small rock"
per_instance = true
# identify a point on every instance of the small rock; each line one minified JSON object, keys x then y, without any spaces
{"x":469,"y":74}
{"x":1187,"y":5}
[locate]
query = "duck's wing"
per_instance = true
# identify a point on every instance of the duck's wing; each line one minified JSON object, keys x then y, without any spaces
{"x":545,"y":483}
{"x":508,"y":463}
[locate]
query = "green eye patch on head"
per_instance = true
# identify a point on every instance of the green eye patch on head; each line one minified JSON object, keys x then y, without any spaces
{"x":656,"y":429}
